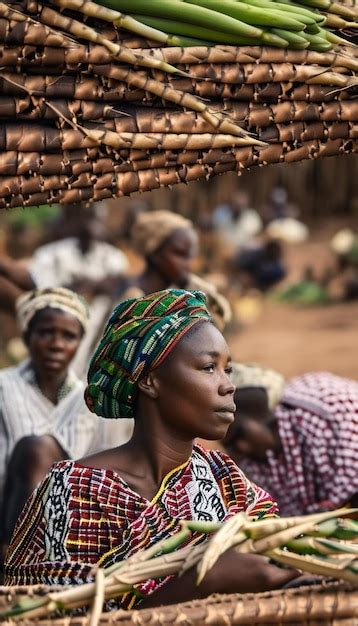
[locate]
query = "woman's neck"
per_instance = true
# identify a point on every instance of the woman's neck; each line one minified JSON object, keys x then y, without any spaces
{"x":158,"y":450}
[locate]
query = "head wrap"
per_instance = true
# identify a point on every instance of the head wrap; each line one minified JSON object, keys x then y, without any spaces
{"x":252,"y":375}
{"x":153,"y":228}
{"x":140,"y":334}
{"x":34,"y":301}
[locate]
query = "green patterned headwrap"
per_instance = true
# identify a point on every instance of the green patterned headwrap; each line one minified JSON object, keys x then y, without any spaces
{"x":139,"y":336}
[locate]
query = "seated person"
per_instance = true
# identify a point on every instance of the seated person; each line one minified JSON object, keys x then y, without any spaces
{"x":303,"y":446}
{"x":43,"y":416}
{"x":162,"y":362}
{"x":261,"y":266}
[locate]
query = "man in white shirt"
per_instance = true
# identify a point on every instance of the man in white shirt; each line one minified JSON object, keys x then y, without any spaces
{"x":82,"y":261}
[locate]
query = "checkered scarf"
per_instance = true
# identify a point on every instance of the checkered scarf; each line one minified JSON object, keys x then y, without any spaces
{"x":139,"y":336}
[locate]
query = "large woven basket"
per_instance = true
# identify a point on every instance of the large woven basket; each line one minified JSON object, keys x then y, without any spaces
{"x":332,"y":604}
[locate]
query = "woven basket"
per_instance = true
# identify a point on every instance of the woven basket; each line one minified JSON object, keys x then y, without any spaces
{"x":331,"y":604}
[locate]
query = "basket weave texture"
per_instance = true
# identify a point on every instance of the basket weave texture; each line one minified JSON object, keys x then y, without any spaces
{"x":330,"y":604}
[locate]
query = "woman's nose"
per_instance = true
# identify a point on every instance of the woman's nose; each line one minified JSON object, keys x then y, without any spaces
{"x":227,"y":386}
{"x":57,"y":342}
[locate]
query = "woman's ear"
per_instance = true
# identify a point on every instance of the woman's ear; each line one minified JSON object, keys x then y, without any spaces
{"x":148,"y":386}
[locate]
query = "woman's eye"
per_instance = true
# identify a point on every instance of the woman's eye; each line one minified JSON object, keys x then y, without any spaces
{"x":228,"y":370}
{"x":209,"y":368}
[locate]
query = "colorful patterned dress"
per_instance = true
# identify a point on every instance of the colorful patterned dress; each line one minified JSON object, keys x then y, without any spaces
{"x":80,"y":517}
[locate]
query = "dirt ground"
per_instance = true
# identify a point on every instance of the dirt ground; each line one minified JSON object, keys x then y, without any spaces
{"x":294,"y":340}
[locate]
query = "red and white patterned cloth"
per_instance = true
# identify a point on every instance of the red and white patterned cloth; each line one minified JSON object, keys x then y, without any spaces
{"x":317,"y":469}
{"x":80,"y":517}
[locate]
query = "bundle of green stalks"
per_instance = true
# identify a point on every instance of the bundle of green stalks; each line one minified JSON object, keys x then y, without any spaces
{"x":96,"y":104}
{"x":321,"y":544}
{"x":296,"y":24}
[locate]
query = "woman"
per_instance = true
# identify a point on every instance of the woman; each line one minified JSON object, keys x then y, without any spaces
{"x":303,"y":447}
{"x":168,"y":243}
{"x":164,"y":363}
{"x":43,"y":417}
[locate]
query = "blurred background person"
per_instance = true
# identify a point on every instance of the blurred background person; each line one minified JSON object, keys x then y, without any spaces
{"x":260,"y":266}
{"x":82,"y":260}
{"x":43,"y":416}
{"x":237,"y":224}
{"x":167,"y":244}
{"x":344,"y":245}
{"x":297,"y":438}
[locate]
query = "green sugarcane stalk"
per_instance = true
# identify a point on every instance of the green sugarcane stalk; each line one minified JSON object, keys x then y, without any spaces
{"x":177,"y":10}
{"x":287,"y":6}
{"x":317,"y":546}
{"x":318,"y":42}
{"x":250,"y":14}
{"x":295,"y":40}
{"x":336,"y":39}
{"x":345,"y":529}
{"x":209,"y":35}
{"x":315,"y":565}
{"x":331,"y":7}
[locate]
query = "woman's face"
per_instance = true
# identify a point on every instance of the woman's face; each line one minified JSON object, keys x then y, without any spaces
{"x":173,"y":260}
{"x":53,"y":339}
{"x":195,"y":392}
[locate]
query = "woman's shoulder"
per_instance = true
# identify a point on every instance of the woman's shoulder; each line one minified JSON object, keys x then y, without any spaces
{"x":9,"y":373}
{"x":74,"y":477}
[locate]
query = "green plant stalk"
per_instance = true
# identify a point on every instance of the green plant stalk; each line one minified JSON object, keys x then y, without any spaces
{"x":345,"y":529}
{"x":318,"y":42}
{"x":314,"y":565}
{"x":320,"y":546}
{"x":289,"y":11}
{"x":299,"y":11}
{"x":207,"y":35}
{"x":331,"y":7}
{"x":177,"y":10}
{"x":312,"y":29}
{"x":316,"y":4}
{"x":336,"y":39}
{"x":337,"y":546}
{"x":295,"y":40}
{"x":250,"y":14}
{"x":93,"y":9}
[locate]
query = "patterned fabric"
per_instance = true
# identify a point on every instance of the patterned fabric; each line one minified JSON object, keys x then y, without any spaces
{"x":251,"y":375}
{"x":34,"y":301}
{"x":317,"y":469}
{"x":153,"y":228}
{"x":79,"y":517}
{"x":24,"y":411}
{"x":139,"y":335}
